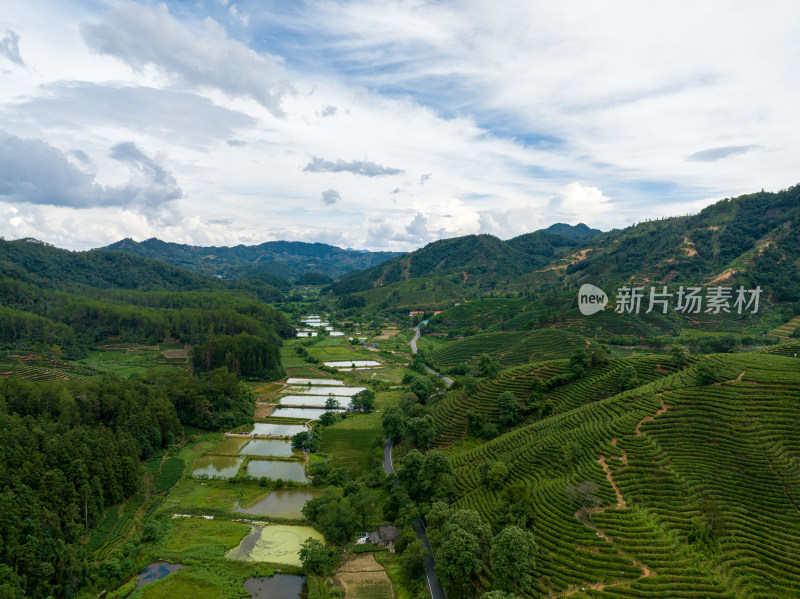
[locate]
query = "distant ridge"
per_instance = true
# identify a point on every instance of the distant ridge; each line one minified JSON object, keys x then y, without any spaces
{"x":285,"y":259}
{"x":578,"y":231}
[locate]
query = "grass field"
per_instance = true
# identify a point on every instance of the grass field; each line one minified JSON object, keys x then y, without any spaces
{"x":201,"y":538}
{"x":352,"y":441}
{"x":192,"y":494}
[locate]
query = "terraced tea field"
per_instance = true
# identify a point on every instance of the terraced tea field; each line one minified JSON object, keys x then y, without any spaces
{"x":670,"y":460}
{"x":512,"y":348}
{"x":30,"y":367}
{"x":597,"y":382}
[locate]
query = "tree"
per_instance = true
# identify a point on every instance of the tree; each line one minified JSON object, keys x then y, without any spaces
{"x":300,"y":439}
{"x":421,"y":431}
{"x":513,"y":557}
{"x":458,"y":563}
{"x":327,"y":418}
{"x":498,"y":595}
{"x":437,"y":476}
{"x":600,"y":358}
{"x":496,"y":475}
{"x":331,"y":403}
{"x":332,"y":514}
{"x":707,"y":373}
{"x":421,"y":387}
{"x":628,"y":378}
{"x":364,"y":400}
{"x":579,"y":358}
{"x":508,"y":408}
{"x":410,"y":471}
{"x":412,"y":562}
{"x":583,"y":496}
{"x":488,"y":366}
{"x":393,"y":422}
{"x":364,"y":505}
{"x":318,"y":559}
{"x":518,"y":506}
{"x":679,"y":355}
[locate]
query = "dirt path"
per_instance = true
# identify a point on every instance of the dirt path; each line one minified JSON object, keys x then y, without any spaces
{"x":621,"y":503}
{"x":660,"y":411}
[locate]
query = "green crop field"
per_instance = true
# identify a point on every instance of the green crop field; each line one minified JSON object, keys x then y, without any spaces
{"x":597,"y":382}
{"x":479,"y":314}
{"x":351,"y":441}
{"x":413,"y":293}
{"x":671,"y":449}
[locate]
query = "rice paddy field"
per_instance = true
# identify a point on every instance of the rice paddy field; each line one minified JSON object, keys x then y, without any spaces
{"x":275,"y":543}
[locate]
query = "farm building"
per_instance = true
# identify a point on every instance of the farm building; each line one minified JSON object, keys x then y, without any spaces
{"x":385,"y":536}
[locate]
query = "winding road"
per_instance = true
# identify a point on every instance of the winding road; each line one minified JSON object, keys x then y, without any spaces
{"x":436,"y":590}
{"x":447,"y":381}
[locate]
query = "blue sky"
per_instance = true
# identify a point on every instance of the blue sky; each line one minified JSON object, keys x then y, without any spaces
{"x":385,"y":125}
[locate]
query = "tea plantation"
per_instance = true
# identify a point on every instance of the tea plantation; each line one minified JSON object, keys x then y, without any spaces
{"x":674,"y":489}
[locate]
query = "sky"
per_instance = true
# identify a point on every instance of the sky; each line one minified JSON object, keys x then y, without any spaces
{"x":386,"y":125}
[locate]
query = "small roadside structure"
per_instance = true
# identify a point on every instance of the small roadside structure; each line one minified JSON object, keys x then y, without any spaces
{"x":414,"y":313}
{"x":386,"y":536}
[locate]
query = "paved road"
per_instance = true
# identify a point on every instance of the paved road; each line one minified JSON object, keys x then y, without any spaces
{"x":446,"y":380}
{"x":436,"y":590}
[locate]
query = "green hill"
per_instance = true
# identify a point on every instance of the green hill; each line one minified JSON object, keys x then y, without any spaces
{"x":72,"y":300}
{"x":512,"y":348}
{"x":674,"y":489}
{"x":283,"y":259}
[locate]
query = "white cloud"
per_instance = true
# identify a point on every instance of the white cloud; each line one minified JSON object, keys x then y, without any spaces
{"x":140,"y":37}
{"x":577,"y":203}
{"x":525,"y":116}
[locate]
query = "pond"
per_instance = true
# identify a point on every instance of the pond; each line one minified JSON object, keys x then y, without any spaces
{"x":267,"y":429}
{"x":319,"y":390}
{"x":217,"y":466}
{"x":231,"y":446}
{"x":348,"y":364}
{"x":306,"y":334}
{"x":307,"y":413}
{"x":156,"y":571}
{"x":294,"y":381}
{"x":275,"y":469}
{"x":285,"y":503}
{"x":271,"y":447}
{"x":312,"y":400}
{"x":274,"y":543}
{"x":280,"y":586}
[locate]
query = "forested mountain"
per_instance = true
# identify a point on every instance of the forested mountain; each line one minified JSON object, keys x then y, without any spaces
{"x":749,"y":240}
{"x":575,"y":231}
{"x":52,"y":297}
{"x":471,"y":260}
{"x":285,"y":259}
{"x":49,"y":266}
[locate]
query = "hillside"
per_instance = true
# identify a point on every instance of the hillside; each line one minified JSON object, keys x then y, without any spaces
{"x":54,"y":298}
{"x":472,"y":260}
{"x":284,"y":259}
{"x":749,"y":240}
{"x":42,"y":263}
{"x":679,"y":488}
